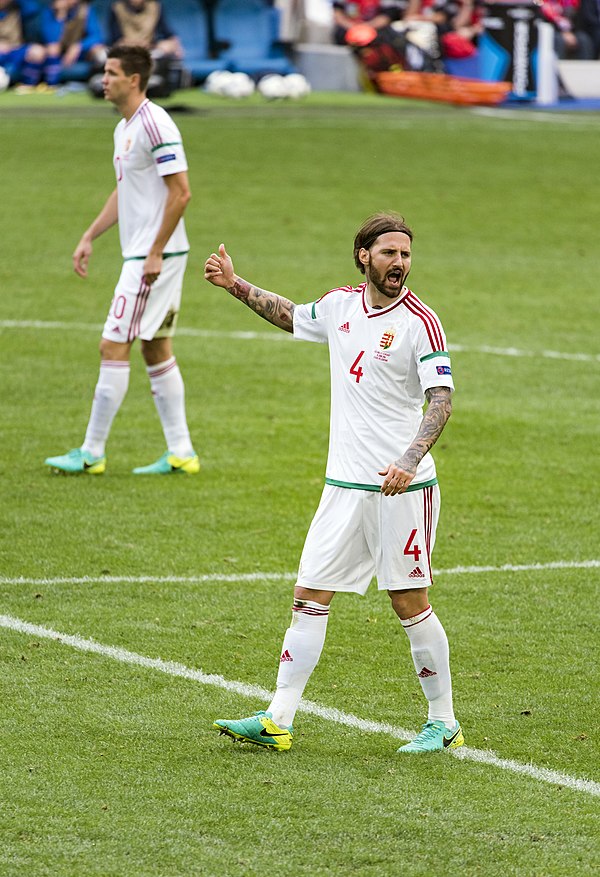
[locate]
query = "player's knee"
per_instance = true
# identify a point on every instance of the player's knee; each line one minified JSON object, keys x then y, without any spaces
{"x":104,"y":348}
{"x":156,"y":351}
{"x":322,"y":597}
{"x":408,"y":603}
{"x":109,"y":350}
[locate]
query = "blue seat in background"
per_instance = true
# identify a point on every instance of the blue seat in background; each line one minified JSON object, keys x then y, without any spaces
{"x":250,"y":31}
{"x":189,"y":20}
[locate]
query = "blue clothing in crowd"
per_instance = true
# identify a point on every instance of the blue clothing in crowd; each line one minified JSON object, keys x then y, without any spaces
{"x":52,"y":29}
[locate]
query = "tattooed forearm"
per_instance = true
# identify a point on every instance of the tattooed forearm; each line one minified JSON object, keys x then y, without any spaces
{"x":268,"y":305}
{"x":434,"y":420}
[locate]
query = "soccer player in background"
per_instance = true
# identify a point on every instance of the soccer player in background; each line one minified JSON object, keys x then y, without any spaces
{"x":380,"y":504}
{"x":148,"y":203}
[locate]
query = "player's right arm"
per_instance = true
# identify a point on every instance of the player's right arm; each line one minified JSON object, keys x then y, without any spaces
{"x":108,"y":216}
{"x":218,"y":270}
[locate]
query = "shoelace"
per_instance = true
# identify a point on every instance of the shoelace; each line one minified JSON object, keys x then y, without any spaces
{"x":429,"y":730}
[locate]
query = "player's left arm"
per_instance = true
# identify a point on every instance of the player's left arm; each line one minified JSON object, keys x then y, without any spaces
{"x":178,"y":196}
{"x":398,"y":475}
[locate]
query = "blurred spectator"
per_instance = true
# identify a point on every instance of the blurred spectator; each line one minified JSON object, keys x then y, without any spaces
{"x":143,"y":23}
{"x":23,"y":60}
{"x":458,"y":24}
{"x":571,"y":40}
{"x":376,"y":13}
{"x":588,"y":23}
{"x":71,"y":32}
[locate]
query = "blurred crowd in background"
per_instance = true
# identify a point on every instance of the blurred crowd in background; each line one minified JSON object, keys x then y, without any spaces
{"x":45,"y":44}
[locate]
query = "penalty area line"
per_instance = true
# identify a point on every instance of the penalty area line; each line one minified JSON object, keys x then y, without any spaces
{"x":220,"y":578}
{"x":173,"y":668}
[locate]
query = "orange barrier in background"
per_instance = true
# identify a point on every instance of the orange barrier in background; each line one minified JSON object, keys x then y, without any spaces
{"x":442,"y":87}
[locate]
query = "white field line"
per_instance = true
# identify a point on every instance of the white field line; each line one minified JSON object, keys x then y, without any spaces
{"x":541,"y":115}
{"x":279,"y":576}
{"x":254,"y":691}
{"x":286,"y":337}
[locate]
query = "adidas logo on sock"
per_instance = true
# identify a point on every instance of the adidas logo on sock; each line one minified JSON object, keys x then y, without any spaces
{"x":426,"y":672}
{"x":417,"y":573}
{"x":345,"y":327}
{"x":285,"y":657}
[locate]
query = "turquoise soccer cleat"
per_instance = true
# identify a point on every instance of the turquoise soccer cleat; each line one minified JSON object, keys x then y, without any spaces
{"x":169,"y":464}
{"x":435,"y":737}
{"x":77,"y":462}
{"x":259,"y":729}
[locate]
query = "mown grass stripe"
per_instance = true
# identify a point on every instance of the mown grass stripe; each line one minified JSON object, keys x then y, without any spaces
{"x":173,"y":668}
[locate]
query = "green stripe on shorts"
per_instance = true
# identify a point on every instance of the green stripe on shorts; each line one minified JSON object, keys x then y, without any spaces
{"x":164,"y":255}
{"x":350,"y":485}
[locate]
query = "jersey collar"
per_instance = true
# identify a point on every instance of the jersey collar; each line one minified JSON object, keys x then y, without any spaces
{"x":370,"y":312}
{"x":141,"y":106}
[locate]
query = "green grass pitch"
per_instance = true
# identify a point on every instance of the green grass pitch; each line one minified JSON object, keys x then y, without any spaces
{"x":109,"y":763}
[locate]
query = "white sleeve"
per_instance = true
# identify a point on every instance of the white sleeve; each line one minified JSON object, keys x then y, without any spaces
{"x":167,"y":150}
{"x":433,"y":360}
{"x":309,"y":325}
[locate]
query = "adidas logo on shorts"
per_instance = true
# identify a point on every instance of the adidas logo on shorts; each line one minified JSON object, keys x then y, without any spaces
{"x":417,"y":573}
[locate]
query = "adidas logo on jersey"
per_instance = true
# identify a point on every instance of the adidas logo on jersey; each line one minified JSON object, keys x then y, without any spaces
{"x":345,"y":327}
{"x":426,"y":672}
{"x":285,"y":657}
{"x":417,"y":573}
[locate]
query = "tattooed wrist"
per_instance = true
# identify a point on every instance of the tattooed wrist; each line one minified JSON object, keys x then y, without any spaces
{"x":271,"y":307}
{"x":241,"y":289}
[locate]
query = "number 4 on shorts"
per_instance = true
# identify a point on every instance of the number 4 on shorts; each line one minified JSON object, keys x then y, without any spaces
{"x":411,"y":548}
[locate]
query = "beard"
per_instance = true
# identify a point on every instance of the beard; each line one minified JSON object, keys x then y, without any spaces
{"x":382,"y":284}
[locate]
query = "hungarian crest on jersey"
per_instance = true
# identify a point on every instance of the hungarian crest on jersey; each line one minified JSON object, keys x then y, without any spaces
{"x":387,"y":339}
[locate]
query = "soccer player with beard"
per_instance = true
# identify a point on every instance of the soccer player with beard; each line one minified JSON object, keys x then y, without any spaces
{"x":380,"y":504}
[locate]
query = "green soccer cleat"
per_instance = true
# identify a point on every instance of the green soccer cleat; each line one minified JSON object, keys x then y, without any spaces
{"x":434,"y":737}
{"x":259,"y":729}
{"x":169,"y":464}
{"x":77,"y":462}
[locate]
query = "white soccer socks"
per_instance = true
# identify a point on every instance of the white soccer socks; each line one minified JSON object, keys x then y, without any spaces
{"x":431,"y":657}
{"x":111,"y":388}
{"x":302,"y":647}
{"x":168,"y":390}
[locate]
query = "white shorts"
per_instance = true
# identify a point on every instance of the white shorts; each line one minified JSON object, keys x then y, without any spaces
{"x":356,"y":534}
{"x":141,"y":311}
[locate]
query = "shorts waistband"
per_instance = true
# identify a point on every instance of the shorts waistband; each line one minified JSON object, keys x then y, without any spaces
{"x":350,"y":485}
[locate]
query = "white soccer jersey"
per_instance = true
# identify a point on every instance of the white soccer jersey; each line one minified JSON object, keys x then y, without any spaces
{"x":381,"y":361}
{"x":147,"y":148}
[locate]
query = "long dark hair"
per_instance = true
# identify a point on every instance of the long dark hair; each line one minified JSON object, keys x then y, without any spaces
{"x":378,"y":224}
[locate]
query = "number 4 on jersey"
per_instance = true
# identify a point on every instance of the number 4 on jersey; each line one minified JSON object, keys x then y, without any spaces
{"x":355,"y":369}
{"x":412,"y":549}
